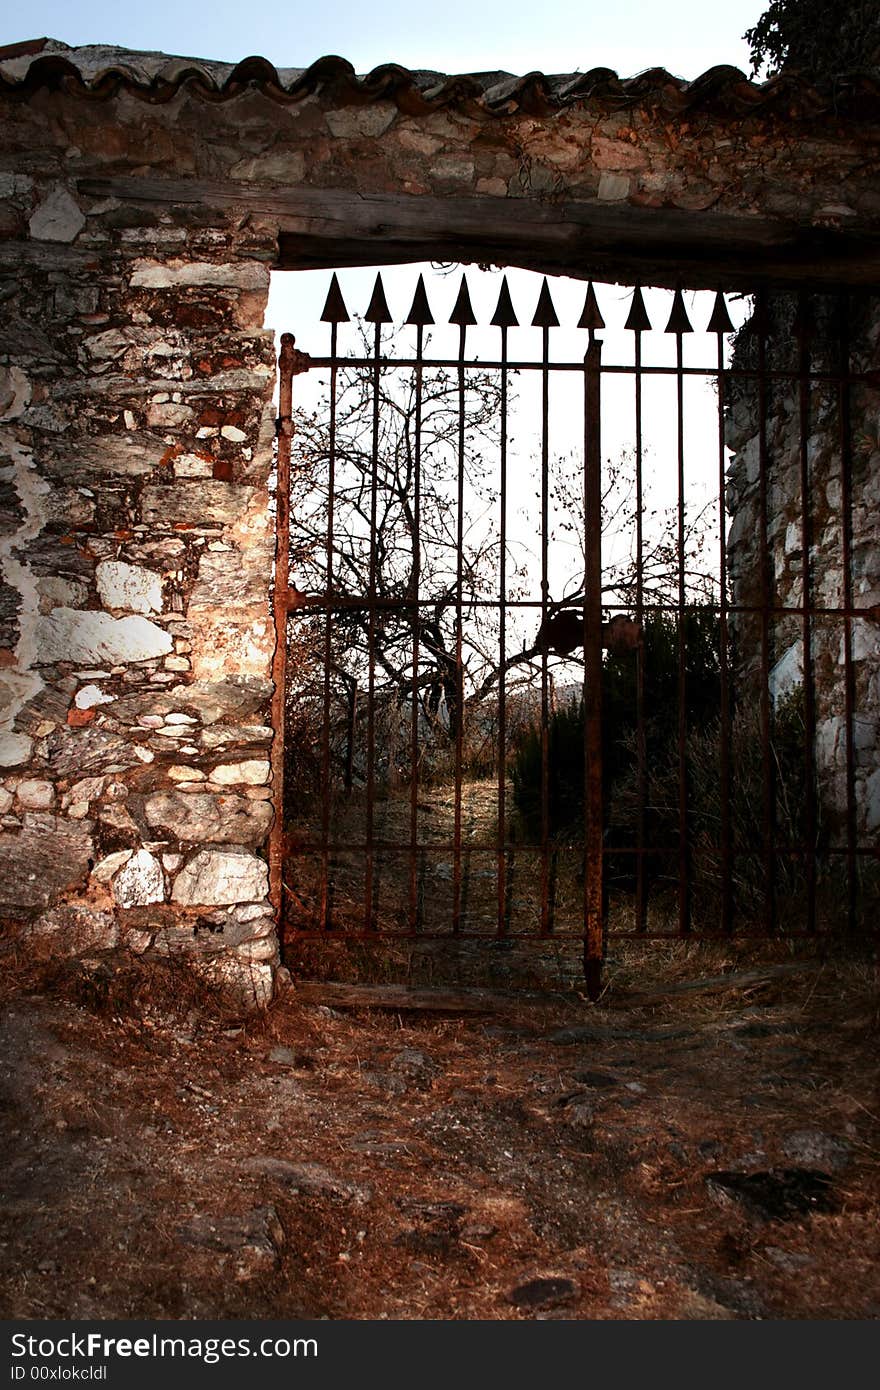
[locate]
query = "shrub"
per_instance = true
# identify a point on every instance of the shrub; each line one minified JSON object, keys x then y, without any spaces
{"x":703,"y":748}
{"x":660,"y":647}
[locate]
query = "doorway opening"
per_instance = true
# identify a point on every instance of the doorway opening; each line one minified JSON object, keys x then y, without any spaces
{"x":545,"y":616}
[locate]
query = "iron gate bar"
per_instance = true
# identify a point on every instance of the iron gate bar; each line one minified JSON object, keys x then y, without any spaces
{"x":679,"y":325}
{"x":462,"y":315}
{"x":328,"y":638}
{"x":767,"y":797}
{"x":545,"y":319}
{"x":296,"y":600}
{"x":637,"y":321}
{"x":290,"y":362}
{"x":504,"y":319}
{"x":516,"y":938}
{"x":846,"y":508}
{"x":377,"y":314}
{"x":656,"y":851}
{"x":802,"y":337}
{"x":334,"y":313}
{"x":419,"y":316}
{"x":719,"y":316}
{"x":594,"y":828}
{"x":481,"y":364}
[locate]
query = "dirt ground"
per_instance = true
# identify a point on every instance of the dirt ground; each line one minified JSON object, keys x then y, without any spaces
{"x":673,"y":1152}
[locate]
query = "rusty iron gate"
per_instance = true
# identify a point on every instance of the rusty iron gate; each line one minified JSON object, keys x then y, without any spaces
{"x":705,"y":799}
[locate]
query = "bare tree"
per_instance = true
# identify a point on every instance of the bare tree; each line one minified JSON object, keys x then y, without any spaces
{"x":398,"y":533}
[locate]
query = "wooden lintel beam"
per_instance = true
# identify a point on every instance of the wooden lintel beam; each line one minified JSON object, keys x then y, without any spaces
{"x":331,"y":227}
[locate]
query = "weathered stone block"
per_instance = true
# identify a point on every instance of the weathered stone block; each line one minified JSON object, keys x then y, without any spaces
{"x":221,"y":878}
{"x":251,"y":771}
{"x":15,"y":749}
{"x":15,"y":393}
{"x":202,"y":503}
{"x":77,"y":930}
{"x":89,"y":750}
{"x":47,"y":857}
{"x":110,"y":864}
{"x":613,"y":188}
{"x":283,"y":166}
{"x":129,"y":587}
{"x":241,"y":641}
{"x":34,"y":794}
{"x":194,"y":817}
{"x":140,"y":881}
{"x":69,"y":634}
{"x":240,"y":577}
{"x":173,"y":275}
{"x":57,"y":218}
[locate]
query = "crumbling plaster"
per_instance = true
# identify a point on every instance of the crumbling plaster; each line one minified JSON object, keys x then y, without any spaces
{"x":144,"y":201}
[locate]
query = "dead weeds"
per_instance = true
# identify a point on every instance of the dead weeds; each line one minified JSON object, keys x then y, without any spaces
{"x":542,"y":1159}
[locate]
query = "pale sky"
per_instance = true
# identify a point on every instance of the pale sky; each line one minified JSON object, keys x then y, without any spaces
{"x":685,"y":36}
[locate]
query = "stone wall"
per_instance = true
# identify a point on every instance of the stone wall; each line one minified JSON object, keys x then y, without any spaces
{"x":136,"y":445}
{"x":142,"y":202}
{"x":825,"y":506}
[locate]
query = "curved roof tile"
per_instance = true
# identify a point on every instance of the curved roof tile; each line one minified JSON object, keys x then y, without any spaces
{"x":98,"y":72}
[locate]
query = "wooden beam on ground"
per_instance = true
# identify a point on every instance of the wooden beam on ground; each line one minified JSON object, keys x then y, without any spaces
{"x":716,"y":984}
{"x":399,"y":998}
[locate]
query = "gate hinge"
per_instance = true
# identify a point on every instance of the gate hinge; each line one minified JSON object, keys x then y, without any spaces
{"x":291,"y":362}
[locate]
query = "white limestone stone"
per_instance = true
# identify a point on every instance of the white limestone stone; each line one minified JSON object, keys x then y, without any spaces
{"x":90,"y":695}
{"x":179,"y":773}
{"x":282,"y":166}
{"x":253,"y":772}
{"x":15,"y":749}
{"x":129,"y":587}
{"x":107,"y":867}
{"x":220,"y":878}
{"x":251,"y":912}
{"x":58,"y":218}
{"x":258,"y":948}
{"x":168,"y":416}
{"x":613,"y":188}
{"x":164,"y":275}
{"x":193,"y":817}
{"x":69,"y":634}
{"x":35,"y":794}
{"x":788,"y":673}
{"x":15,"y":393}
{"x":372,"y":119}
{"x":193,"y":466}
{"x":140,"y":881}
